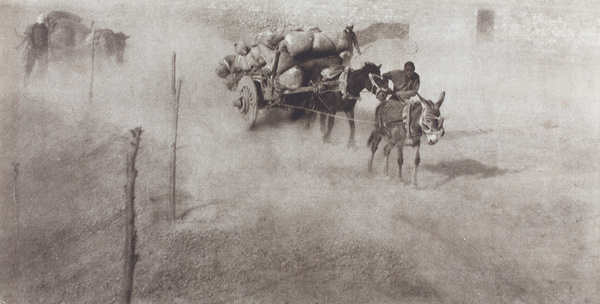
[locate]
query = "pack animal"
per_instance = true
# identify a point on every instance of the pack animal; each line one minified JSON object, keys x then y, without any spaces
{"x":111,"y":44}
{"x":404,"y":125}
{"x":332,"y":101}
{"x":71,"y":40}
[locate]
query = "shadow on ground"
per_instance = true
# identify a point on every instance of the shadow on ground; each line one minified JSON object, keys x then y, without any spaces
{"x":464,"y":167}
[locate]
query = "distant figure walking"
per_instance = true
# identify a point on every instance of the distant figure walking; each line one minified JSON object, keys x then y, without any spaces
{"x":347,"y":55}
{"x":35,"y":47}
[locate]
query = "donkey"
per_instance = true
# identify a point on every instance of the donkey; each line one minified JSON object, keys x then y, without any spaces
{"x":403,"y":125}
{"x":332,"y":101}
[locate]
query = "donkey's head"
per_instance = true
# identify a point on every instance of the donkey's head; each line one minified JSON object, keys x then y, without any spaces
{"x":431,"y":120}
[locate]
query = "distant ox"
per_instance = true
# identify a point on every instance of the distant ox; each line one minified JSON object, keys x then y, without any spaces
{"x":111,"y":44}
{"x":70,"y":39}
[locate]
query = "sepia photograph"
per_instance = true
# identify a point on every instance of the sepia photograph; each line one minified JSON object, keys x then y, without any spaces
{"x":276,"y":151}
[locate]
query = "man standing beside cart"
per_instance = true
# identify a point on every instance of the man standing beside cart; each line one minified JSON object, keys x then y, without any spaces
{"x":35,"y":47}
{"x":347,"y":55}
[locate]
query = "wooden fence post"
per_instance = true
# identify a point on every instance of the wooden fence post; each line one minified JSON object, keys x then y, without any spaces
{"x":173,"y":75}
{"x":130,"y":256}
{"x":173,"y":177}
{"x":16,"y":193}
{"x":176,"y":90}
{"x":16,"y":266}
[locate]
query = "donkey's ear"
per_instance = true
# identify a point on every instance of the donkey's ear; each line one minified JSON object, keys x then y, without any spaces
{"x":428,"y":103}
{"x":379,"y":67}
{"x":438,"y":104}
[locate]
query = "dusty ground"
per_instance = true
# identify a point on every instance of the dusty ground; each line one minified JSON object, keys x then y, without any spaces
{"x":506,"y":210}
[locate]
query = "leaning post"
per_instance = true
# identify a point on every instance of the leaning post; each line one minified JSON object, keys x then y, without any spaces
{"x":173,"y":75}
{"x":130,"y":256}
{"x":172,"y":192}
{"x":16,"y":266}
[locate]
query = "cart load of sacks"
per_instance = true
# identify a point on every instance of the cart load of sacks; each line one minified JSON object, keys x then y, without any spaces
{"x":301,"y":52}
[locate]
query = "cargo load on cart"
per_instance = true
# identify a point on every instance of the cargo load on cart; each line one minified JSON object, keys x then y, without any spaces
{"x":298,"y":52}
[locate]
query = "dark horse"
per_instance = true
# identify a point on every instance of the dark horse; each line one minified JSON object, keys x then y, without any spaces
{"x":111,"y":44}
{"x":330,"y":102}
{"x":403,"y":124}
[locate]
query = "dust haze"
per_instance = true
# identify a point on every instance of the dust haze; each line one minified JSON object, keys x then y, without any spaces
{"x":506,"y":209}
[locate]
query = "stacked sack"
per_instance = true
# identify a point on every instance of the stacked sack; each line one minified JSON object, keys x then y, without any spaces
{"x":300,"y":53}
{"x":66,"y":31}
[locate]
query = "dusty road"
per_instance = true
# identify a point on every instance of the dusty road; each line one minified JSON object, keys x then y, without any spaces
{"x":506,"y":210}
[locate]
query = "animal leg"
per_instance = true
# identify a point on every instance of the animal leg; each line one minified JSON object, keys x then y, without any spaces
{"x":375,"y":139}
{"x":309,"y":119}
{"x":322,"y":118}
{"x":327,"y":135}
{"x":29,"y":64}
{"x":386,"y":153}
{"x":416,"y":162}
{"x":350,"y":115}
{"x":400,"y":159}
{"x":42,"y":61}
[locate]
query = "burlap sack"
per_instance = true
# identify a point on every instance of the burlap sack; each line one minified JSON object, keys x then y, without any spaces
{"x":225,"y":66}
{"x":290,"y":79}
{"x":341,"y":40}
{"x":68,"y":33}
{"x":269,"y":39}
{"x":286,"y":61}
{"x":257,"y":56}
{"x":267,"y":54}
{"x":322,"y":45}
{"x":221,"y":70}
{"x":298,"y":43}
{"x":241,"y":48}
{"x":55,"y":15}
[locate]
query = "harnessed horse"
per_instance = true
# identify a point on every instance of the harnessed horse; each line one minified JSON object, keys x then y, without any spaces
{"x":403,"y":125}
{"x":330,"y":102}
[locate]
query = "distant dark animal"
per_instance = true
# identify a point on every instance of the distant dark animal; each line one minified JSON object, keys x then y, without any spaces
{"x":111,"y":44}
{"x":403,"y":125}
{"x":330,"y":102}
{"x":70,"y":39}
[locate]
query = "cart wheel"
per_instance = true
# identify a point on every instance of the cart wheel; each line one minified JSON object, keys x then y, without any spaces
{"x":248,"y":100}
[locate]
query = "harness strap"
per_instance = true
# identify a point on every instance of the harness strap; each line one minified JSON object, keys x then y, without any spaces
{"x":393,"y":123}
{"x":408,"y":119}
{"x":343,"y":79}
{"x":322,"y":101}
{"x":350,"y":96}
{"x":404,"y":121}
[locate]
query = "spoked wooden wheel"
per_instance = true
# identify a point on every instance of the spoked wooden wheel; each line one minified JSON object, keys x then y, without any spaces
{"x":248,"y":100}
